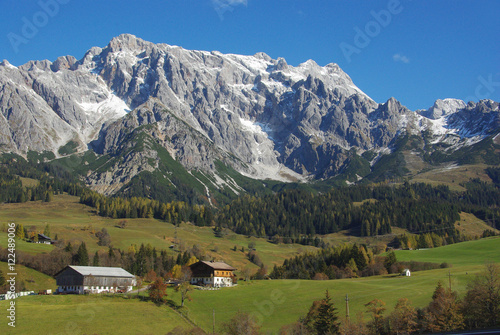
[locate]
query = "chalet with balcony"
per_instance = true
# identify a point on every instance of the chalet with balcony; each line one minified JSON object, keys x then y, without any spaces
{"x":213,"y":274}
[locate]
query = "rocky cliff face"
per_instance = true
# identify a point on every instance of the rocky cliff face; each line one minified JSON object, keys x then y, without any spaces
{"x":261,"y":116}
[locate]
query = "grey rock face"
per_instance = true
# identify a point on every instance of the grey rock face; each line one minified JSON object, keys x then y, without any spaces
{"x":263,"y":117}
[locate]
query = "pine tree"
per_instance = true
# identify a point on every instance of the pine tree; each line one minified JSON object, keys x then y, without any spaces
{"x":326,"y":319}
{"x":2,"y":279}
{"x":95,"y":261}
{"x":49,"y":195}
{"x":82,"y":256}
{"x":390,"y":259}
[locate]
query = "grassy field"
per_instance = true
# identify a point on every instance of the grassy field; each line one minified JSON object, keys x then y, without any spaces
{"x":28,"y":182}
{"x":461,"y":254}
{"x":470,"y":225}
{"x":33,"y":280}
{"x":73,"y":314}
{"x":273,"y":303}
{"x":279,"y":302}
{"x":343,"y":237}
{"x":74,"y":222}
{"x":452,"y":175}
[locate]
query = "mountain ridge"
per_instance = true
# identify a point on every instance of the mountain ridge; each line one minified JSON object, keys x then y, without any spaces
{"x":260,"y":116}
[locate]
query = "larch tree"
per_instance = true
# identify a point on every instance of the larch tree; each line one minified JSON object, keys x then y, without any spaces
{"x":403,"y":320}
{"x":46,"y":231}
{"x":481,"y":305}
{"x":354,"y":326}
{"x":177,"y":271}
{"x":20,"y":231}
{"x":241,"y":324}
{"x":376,"y":309}
{"x":443,"y":312}
{"x":157,"y":290}
{"x":150,"y":276}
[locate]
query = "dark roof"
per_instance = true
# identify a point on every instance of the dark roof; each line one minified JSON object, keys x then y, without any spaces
{"x":44,"y":237}
{"x":219,"y":265}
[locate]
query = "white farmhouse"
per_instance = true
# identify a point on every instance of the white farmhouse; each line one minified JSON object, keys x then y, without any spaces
{"x":214,"y":274}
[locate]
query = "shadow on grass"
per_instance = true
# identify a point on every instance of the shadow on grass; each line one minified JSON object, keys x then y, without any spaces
{"x":124,"y":296}
{"x":168,"y":302}
{"x":171,"y":303}
{"x":395,"y":275}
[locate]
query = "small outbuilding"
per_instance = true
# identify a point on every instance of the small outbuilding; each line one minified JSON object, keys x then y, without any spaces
{"x":406,"y":273}
{"x":41,"y":238}
{"x":93,"y":279}
{"x":214,"y":274}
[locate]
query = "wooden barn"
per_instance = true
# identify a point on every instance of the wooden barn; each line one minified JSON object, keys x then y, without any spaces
{"x":93,"y":279}
{"x":214,"y":274}
{"x":41,"y":238}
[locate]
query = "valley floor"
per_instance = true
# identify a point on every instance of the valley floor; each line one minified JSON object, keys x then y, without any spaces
{"x":273,"y":303}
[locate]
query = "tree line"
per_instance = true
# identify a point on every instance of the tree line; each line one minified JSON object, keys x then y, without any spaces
{"x":50,"y":180}
{"x":365,"y":210}
{"x":345,"y":261}
{"x":173,"y":212}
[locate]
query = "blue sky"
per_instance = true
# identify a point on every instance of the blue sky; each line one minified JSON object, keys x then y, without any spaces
{"x":416,"y":51}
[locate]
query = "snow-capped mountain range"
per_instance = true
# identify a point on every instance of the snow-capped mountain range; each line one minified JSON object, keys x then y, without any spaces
{"x":260,"y":116}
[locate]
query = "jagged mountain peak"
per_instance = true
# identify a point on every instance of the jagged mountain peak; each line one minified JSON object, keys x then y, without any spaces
{"x":443,"y":107}
{"x":263,"y":56}
{"x":127,"y":42}
{"x":6,"y":63}
{"x":261,"y":116}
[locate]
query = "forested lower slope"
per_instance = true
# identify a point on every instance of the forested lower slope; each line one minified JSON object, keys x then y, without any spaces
{"x":364,"y":210}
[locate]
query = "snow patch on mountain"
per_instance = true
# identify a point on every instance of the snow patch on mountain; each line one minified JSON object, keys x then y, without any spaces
{"x":442,"y":108}
{"x":274,"y":120}
{"x":112,"y":107}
